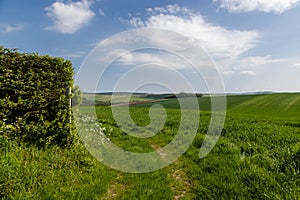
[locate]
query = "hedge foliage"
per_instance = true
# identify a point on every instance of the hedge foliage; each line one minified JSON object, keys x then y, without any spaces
{"x":34,"y":105}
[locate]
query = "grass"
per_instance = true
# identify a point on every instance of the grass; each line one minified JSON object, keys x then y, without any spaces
{"x":90,"y":99}
{"x":256,"y":157}
{"x":274,"y":106}
{"x":27,"y":172}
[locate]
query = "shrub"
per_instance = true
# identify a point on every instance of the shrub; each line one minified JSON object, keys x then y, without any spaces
{"x":34,"y":105}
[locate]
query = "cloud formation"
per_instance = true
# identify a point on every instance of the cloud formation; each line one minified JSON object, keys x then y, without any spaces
{"x":12,"y":28}
{"x":227,"y":47}
{"x":268,"y":6}
{"x":164,"y":59}
{"x":296,"y":65}
{"x":247,"y":72}
{"x":243,"y":65}
{"x":69,"y":17}
{"x":258,"y":60}
{"x":217,"y":40}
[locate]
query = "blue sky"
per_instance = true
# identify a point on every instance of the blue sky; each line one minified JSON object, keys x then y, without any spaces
{"x":254,"y":44}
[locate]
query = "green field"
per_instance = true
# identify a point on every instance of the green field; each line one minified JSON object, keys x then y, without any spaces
{"x":282,"y":105}
{"x":92,"y":99}
{"x":256,"y":157}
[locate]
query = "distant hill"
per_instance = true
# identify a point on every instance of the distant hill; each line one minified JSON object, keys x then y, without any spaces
{"x":285,"y":105}
{"x":171,"y":95}
{"x":117,"y":93}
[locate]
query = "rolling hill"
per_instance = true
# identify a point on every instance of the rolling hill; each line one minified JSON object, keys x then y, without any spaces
{"x":286,"y":105}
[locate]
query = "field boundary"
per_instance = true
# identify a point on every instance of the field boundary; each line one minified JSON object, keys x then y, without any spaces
{"x":138,"y":102}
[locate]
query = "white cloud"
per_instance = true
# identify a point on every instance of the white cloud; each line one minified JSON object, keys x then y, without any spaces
{"x":275,"y":6}
{"x":101,"y":12}
{"x":174,"y":8}
{"x":167,"y":48}
{"x":242,"y":64}
{"x":77,"y":54}
{"x":247,"y":72}
{"x":11,"y":28}
{"x":137,"y":22}
{"x":155,"y":58}
{"x":258,"y":60}
{"x":170,"y":9}
{"x":69,"y":17}
{"x":227,"y":47}
{"x":296,"y":65}
{"x":217,"y":40}
{"x":148,"y":50}
{"x":162,"y":59}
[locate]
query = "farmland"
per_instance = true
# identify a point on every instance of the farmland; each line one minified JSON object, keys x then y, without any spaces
{"x":257,"y":156}
{"x":283,"y":105}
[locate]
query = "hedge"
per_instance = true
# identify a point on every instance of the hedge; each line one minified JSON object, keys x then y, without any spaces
{"x":34,"y":105}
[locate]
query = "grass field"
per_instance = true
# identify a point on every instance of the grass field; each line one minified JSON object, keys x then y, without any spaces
{"x":282,"y":105}
{"x":91,"y":99}
{"x":256,"y":157}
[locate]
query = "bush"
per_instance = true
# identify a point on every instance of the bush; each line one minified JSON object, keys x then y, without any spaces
{"x":34,"y":105}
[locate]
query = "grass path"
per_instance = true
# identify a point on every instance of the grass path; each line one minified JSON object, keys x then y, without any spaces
{"x":179,"y":185}
{"x":115,"y":189}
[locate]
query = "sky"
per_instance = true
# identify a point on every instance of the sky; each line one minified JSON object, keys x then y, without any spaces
{"x":171,"y":45}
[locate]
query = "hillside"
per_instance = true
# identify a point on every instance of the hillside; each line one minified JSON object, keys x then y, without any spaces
{"x":285,"y":105}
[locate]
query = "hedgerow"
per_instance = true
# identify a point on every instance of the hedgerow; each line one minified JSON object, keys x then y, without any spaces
{"x":34,"y":104}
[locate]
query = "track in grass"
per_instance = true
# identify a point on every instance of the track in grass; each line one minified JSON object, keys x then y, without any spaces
{"x":256,"y":157}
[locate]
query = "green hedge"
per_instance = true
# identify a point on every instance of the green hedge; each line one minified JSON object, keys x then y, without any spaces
{"x":34,"y":105}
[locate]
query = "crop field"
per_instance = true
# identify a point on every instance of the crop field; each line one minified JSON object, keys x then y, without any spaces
{"x":91,"y":99}
{"x":282,"y":105}
{"x":256,"y":157}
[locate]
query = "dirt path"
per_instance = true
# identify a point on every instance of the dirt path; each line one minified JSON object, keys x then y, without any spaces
{"x":180,"y":184}
{"x":115,"y":189}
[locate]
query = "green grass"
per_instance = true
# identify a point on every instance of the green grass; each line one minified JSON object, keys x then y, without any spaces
{"x":276,"y":106}
{"x":256,"y":157}
{"x":27,"y":172}
{"x":273,"y":105}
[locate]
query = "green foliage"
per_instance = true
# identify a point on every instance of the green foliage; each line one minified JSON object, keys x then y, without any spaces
{"x":76,"y":96}
{"x":33,"y":101}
